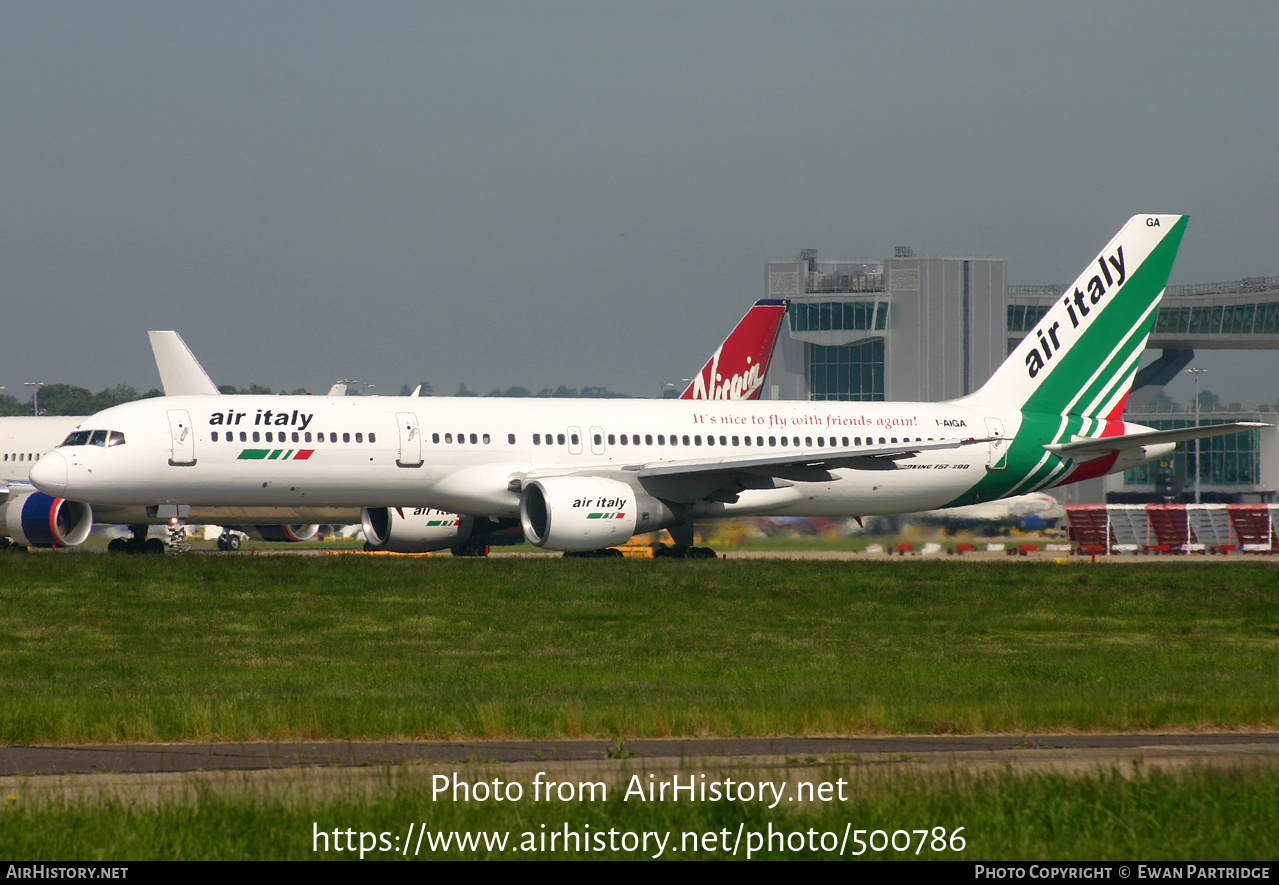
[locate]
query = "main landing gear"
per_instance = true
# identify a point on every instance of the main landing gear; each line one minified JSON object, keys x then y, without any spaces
{"x":471,"y":548}
{"x":661,"y":551}
{"x":139,"y":543}
{"x":679,"y":551}
{"x":683,"y":548}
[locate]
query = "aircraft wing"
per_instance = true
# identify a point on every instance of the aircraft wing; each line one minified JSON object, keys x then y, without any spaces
{"x":722,"y":478}
{"x":1096,"y":447}
{"x":881,"y":457}
{"x":180,"y":373}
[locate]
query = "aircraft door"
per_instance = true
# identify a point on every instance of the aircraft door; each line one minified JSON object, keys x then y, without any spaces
{"x":999,"y":444}
{"x":410,"y":440}
{"x":597,"y":440}
{"x":181,"y":438}
{"x":575,"y":440}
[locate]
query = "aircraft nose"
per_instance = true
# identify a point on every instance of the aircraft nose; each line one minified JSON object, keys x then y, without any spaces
{"x":49,"y":474}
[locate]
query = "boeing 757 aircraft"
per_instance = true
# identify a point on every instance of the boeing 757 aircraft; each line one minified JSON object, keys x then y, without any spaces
{"x":581,"y":475}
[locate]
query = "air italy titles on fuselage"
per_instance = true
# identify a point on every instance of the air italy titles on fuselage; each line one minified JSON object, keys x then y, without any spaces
{"x":1079,"y":305}
{"x":263,"y":418}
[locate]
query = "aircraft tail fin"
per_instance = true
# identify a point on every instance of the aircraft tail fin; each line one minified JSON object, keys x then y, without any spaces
{"x":1080,"y":358}
{"x":736,"y":370}
{"x":180,"y":372}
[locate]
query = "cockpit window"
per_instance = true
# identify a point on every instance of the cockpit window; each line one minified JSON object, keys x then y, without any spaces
{"x":94,"y":438}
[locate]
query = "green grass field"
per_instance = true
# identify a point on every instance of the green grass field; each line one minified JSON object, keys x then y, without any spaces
{"x":98,"y":648}
{"x":213,"y":647}
{"x":1201,"y":815}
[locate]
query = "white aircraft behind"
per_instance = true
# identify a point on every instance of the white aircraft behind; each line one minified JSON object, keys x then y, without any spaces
{"x":580,"y":475}
{"x":1029,"y":512}
{"x":31,"y":518}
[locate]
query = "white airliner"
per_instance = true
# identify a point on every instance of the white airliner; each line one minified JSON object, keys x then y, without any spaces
{"x":27,"y":516}
{"x":31,"y":518}
{"x":580,"y":475}
{"x":735,"y":371}
{"x":1028,"y":512}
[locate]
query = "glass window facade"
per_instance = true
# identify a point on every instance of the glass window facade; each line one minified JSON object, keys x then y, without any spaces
{"x":1230,"y":460}
{"x":833,"y":316}
{"x":1022,"y":317}
{"x":1238,"y":319}
{"x":846,"y":372}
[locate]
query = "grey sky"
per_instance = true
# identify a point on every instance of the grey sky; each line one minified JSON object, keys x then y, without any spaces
{"x":586,"y":193}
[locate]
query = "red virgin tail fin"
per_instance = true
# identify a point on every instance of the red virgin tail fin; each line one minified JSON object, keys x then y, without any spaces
{"x":736,"y":369}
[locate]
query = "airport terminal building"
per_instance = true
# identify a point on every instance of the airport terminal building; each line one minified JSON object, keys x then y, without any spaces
{"x":918,"y":328}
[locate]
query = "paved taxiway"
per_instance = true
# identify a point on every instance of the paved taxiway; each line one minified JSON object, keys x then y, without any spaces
{"x":123,"y":758}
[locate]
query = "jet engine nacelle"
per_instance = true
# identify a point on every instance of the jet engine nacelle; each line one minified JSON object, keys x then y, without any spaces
{"x":280,"y":533}
{"x":37,"y":520}
{"x":578,"y":513}
{"x":414,"y":529}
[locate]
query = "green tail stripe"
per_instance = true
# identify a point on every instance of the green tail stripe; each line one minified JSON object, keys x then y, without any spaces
{"x":1110,"y":333}
{"x":1084,"y":383}
{"x":1118,"y":371}
{"x":252,"y":455}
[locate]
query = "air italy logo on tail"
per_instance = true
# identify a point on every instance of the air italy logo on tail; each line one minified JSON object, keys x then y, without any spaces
{"x":1079,"y":307}
{"x":1070,"y":376}
{"x":1081,"y":356}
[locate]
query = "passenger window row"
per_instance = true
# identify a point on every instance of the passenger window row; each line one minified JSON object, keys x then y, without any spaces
{"x":281,"y":436}
{"x":475,"y":438}
{"x":555,"y":439}
{"x":116,"y":438}
{"x":648,"y":439}
{"x":757,"y":441}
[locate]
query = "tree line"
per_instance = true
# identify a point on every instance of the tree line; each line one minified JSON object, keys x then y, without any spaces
{"x":561,"y":392}
{"x":68,"y":399}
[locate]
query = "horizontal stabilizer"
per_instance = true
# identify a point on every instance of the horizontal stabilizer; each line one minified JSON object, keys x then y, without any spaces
{"x":1098,"y":446}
